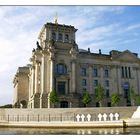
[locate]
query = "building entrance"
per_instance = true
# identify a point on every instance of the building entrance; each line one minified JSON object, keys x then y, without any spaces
{"x":63,"y":104}
{"x":126,"y":94}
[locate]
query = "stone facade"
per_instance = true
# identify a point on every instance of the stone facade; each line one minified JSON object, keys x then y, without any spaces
{"x":57,"y":63}
{"x":21,"y":87}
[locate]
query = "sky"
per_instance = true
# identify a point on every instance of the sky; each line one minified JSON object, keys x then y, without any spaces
{"x":99,"y":27}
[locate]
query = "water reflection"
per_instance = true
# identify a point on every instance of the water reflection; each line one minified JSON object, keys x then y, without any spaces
{"x":45,"y":131}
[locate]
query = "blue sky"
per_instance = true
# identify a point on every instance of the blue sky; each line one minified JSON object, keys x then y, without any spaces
{"x":99,"y":27}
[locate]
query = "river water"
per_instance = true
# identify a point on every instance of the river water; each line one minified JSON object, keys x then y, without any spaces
{"x":46,"y":131}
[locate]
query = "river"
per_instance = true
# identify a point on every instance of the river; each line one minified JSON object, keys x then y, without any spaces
{"x":46,"y":131}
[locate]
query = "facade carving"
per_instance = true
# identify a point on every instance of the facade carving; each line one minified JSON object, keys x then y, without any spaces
{"x":58,"y":64}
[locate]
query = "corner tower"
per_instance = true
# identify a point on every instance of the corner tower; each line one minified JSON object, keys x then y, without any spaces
{"x":54,"y":66}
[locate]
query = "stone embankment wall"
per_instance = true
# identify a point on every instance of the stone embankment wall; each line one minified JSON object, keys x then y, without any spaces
{"x":124,"y":112}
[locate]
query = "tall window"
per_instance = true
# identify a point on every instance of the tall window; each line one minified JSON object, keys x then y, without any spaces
{"x":84,"y":82}
{"x":122,"y":72}
{"x":106,"y":73}
{"x":95,"y":72}
{"x":83,"y":71}
{"x":61,"y":88}
{"x":107,"y":93}
{"x":126,"y":74}
{"x":60,"y":37}
{"x":66,"y":37}
{"x":95,"y":83}
{"x":107,"y":83}
{"x":129,"y":71}
{"x":54,"y":36}
{"x":61,"y":69}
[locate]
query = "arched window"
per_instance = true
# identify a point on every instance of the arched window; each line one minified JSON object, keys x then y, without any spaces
{"x":61,"y":69}
{"x":54,"y":36}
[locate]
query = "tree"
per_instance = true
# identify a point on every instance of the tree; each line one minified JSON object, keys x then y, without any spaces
{"x":132,"y":95}
{"x":138,"y":99}
{"x":86,"y":98}
{"x":115,"y":99}
{"x":99,"y":93}
{"x":53,"y":97}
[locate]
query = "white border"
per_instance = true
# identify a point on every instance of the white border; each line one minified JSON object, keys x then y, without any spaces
{"x":69,"y":2}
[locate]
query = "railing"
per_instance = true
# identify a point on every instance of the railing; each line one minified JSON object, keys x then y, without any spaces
{"x":60,"y":117}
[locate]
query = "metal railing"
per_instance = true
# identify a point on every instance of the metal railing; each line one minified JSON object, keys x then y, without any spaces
{"x":53,"y":118}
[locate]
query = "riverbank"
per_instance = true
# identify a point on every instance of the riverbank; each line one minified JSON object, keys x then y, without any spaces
{"x":105,"y":117}
{"x":93,"y":124}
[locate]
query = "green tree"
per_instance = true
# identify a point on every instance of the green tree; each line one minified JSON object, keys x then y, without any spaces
{"x":99,"y":93}
{"x":115,"y":99}
{"x":86,"y":98}
{"x":132,"y":95}
{"x":138,"y":99}
{"x":53,"y":97}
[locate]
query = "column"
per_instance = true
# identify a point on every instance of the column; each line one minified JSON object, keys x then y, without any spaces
{"x":33,"y":82}
{"x":51,"y":74}
{"x":101,"y":75}
{"x":118,"y":79}
{"x":73,"y":77}
{"x":36,"y":77}
{"x":43,"y":98}
{"x":51,"y":78}
{"x":37,"y":94}
{"x":90,"y":80}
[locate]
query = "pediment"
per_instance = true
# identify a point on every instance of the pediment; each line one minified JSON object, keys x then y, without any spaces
{"x":127,"y":56}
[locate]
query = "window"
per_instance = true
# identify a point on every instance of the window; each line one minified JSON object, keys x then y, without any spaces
{"x":84,"y":82}
{"x":126,"y":75}
{"x":83,"y":71}
{"x":61,"y":88}
{"x":60,"y":37}
{"x":107,"y":93}
{"x":61,"y":69}
{"x":54,"y":36}
{"x":122,"y":72}
{"x":129,"y":71}
{"x":107,"y":83}
{"x":84,"y":89}
{"x":106,"y":73}
{"x":95,"y":72}
{"x":95,"y":83}
{"x":66,"y":37}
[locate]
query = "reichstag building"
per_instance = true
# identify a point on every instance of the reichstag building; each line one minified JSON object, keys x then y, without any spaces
{"x":59,"y":64}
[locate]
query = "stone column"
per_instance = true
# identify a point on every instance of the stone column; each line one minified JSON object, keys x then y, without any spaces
{"x":101,"y":75}
{"x":36,"y":77}
{"x":51,"y":74}
{"x":37,"y":94}
{"x":118,"y":79}
{"x":73,"y":77}
{"x":33,"y":83}
{"x":51,"y":78}
{"x":90,"y":80}
{"x":43,"y":99}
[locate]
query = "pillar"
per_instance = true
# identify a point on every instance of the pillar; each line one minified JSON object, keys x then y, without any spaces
{"x":51,"y":78}
{"x":32,"y":83}
{"x":90,"y":80}
{"x":43,"y":97}
{"x":36,"y":77}
{"x":73,"y":78}
{"x":118,"y":79}
{"x":37,"y":94}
